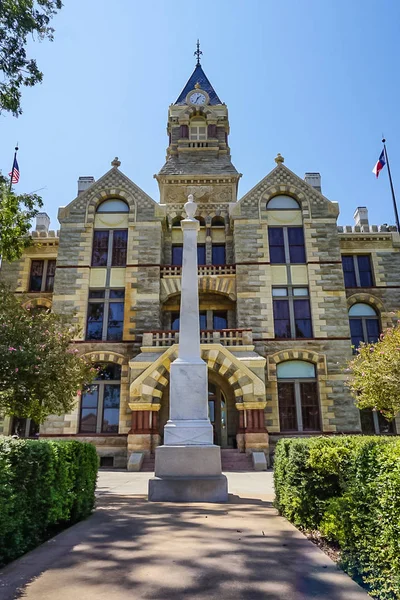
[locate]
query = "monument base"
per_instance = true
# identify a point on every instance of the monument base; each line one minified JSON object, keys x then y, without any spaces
{"x":188,"y":489}
{"x":188,"y":474}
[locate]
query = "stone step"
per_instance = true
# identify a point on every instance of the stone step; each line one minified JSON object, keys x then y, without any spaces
{"x":231,"y":459}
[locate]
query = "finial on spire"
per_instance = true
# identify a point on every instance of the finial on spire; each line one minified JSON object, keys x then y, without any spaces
{"x":198,"y":53}
{"x":116,"y":162}
{"x":279,"y":159}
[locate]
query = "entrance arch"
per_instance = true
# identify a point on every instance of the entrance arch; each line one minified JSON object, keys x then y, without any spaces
{"x":222,"y":411}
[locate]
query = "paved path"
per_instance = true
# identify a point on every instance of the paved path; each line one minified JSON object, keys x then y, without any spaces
{"x":130,"y":548}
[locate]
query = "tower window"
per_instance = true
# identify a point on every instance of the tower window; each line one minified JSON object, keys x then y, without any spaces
{"x":198,"y":130}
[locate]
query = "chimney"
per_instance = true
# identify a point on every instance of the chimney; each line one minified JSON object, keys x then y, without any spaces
{"x":361,"y":216}
{"x":42,"y":222}
{"x":313,"y":179}
{"x":84,"y":183}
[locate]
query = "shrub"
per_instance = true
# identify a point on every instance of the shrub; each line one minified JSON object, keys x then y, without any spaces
{"x":348,"y":488}
{"x":44,"y":487}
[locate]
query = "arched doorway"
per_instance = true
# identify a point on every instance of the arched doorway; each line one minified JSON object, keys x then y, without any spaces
{"x":221,"y":411}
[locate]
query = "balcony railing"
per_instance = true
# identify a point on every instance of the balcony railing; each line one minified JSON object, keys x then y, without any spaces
{"x":226,"y":337}
{"x":203,"y":270}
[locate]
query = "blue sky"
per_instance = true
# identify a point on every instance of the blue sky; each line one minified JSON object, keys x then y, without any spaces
{"x":316,"y":80}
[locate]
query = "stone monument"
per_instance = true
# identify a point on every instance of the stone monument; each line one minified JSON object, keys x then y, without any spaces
{"x":188,"y":465}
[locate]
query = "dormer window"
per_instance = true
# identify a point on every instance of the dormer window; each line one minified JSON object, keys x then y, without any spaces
{"x":198,"y":130}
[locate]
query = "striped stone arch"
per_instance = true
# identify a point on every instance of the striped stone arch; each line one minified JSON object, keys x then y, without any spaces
{"x":319,"y":360}
{"x":373,"y":301}
{"x":223,"y":285}
{"x":34,"y":302}
{"x":284,"y":190}
{"x":96,"y":199}
{"x":109,"y":357}
{"x":247,"y":386}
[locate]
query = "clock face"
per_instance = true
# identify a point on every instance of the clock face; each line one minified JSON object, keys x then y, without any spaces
{"x":197,"y":98}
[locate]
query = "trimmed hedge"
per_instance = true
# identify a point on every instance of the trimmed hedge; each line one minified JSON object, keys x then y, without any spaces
{"x":45,"y":486}
{"x":348,"y":488}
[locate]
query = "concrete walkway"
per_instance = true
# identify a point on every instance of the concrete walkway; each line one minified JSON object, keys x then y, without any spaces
{"x":130,"y":548}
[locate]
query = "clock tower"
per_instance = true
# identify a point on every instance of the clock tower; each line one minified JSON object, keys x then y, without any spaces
{"x":198,"y":158}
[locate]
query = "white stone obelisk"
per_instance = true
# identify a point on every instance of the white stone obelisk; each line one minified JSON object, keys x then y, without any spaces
{"x":188,"y":465}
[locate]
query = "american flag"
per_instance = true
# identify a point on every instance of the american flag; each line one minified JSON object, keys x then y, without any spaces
{"x":15,"y":172}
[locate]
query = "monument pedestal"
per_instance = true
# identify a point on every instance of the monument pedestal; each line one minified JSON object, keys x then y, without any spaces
{"x":188,"y":474}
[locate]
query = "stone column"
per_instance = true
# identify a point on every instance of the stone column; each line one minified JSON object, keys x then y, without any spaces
{"x":188,"y":465}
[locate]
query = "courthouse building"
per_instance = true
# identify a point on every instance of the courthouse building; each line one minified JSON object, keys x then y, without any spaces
{"x":284,"y":294}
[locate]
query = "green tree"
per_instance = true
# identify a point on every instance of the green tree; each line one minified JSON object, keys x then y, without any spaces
{"x":41,"y":371}
{"x":16,"y":214}
{"x":18,"y":20}
{"x":375,"y":374}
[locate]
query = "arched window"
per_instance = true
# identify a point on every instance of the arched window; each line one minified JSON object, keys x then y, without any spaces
{"x":364,"y":324}
{"x":202,"y":221}
{"x":218,"y":222}
{"x":285,"y":231}
{"x":177,"y":222}
{"x":113,"y":205}
{"x":100,"y":401}
{"x":298,"y":396}
{"x":283,"y":203}
{"x":198,"y":130}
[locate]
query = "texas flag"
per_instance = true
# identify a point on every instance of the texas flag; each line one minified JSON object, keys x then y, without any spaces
{"x":380,"y":164}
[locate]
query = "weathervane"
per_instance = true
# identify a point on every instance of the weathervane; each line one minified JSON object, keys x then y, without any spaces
{"x":198,"y":53}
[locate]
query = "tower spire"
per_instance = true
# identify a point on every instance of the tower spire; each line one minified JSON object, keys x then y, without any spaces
{"x":198,"y":53}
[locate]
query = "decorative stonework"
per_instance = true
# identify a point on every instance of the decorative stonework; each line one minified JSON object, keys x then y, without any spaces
{"x":149,"y":386}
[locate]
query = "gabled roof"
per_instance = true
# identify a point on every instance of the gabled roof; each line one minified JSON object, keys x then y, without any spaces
{"x":198,"y":76}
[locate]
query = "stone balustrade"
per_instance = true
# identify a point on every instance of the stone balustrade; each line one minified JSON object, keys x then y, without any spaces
{"x":203,"y":270}
{"x":226,"y":337}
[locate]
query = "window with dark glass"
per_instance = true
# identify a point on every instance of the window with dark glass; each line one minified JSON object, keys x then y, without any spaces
{"x":177,"y":254}
{"x":175,"y":321}
{"x":364,"y":324}
{"x":292,"y":312}
{"x":105,"y":320}
{"x":203,"y":319}
{"x":218,"y":254}
{"x":100,"y":401}
{"x":100,"y":248}
{"x":373,"y":422}
{"x":109,"y":248}
{"x":357,"y":270}
{"x":298,"y":397}
{"x":42,"y":275}
{"x":201,"y":254}
{"x":286,"y":245}
{"x":51,"y":270}
{"x":220,"y":319}
{"x":120,"y":242}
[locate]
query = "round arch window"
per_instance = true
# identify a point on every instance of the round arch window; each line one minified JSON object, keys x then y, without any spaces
{"x":218,"y":222}
{"x":298,"y":396}
{"x":113,"y":205}
{"x":283,"y":203}
{"x":364,"y":324}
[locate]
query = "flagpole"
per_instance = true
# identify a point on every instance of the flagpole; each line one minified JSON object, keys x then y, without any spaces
{"x":396,"y":214}
{"x":12,"y":170}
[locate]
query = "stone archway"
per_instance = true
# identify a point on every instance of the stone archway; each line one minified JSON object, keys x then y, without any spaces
{"x":223,"y":412}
